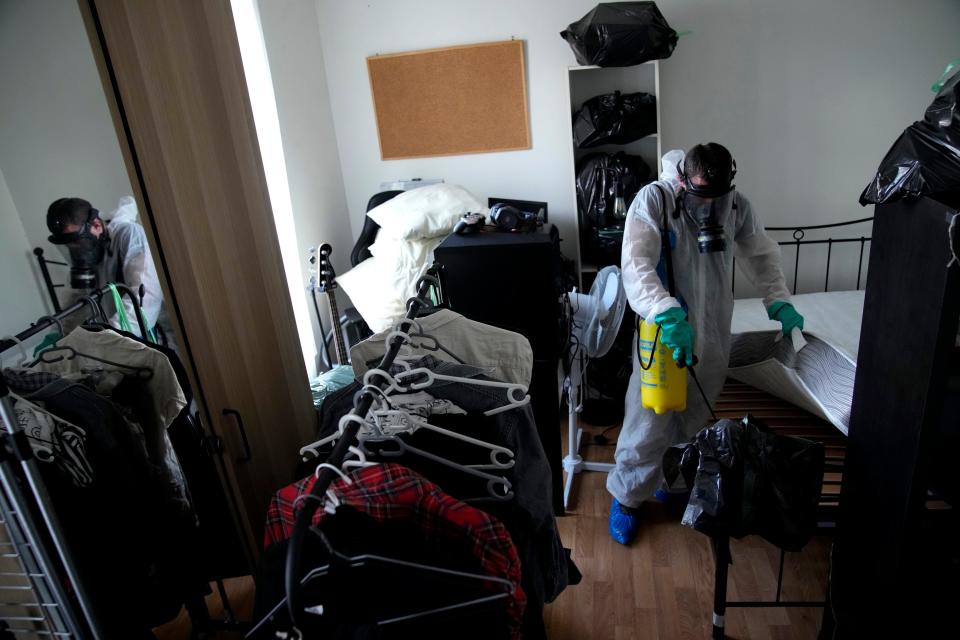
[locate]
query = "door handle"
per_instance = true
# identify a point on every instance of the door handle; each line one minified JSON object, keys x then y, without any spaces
{"x":247,"y":454}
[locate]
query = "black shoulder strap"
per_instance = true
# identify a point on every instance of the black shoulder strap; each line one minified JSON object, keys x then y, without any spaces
{"x":665,"y":242}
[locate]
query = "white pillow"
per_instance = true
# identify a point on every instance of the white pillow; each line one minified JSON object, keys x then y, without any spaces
{"x":374,"y":295}
{"x":381,"y":285}
{"x":425,"y":212}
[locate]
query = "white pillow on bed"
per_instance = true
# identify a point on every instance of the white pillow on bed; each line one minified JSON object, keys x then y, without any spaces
{"x":380,"y":286}
{"x":373,"y":295}
{"x":425,"y":212}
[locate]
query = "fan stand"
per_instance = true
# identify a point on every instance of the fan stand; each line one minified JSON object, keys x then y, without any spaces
{"x":573,"y":463}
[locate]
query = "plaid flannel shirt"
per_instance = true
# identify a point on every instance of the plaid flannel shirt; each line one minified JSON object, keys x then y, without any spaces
{"x":25,"y":381}
{"x":391,"y":492}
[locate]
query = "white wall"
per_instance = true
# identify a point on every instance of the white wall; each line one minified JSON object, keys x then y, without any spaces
{"x":56,"y":134}
{"x":23,"y":299}
{"x":807,"y":95}
{"x":292,"y":36}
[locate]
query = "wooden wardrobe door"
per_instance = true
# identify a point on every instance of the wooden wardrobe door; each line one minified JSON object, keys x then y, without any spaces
{"x":183,"y":95}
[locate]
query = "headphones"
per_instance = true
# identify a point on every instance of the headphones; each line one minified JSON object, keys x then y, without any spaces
{"x":510,"y":218}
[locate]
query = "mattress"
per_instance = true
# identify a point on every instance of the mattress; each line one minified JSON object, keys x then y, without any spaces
{"x":820,"y":377}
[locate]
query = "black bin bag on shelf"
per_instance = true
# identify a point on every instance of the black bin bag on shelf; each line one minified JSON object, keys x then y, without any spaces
{"x":597,"y":174}
{"x":925,"y":159}
{"x":615,"y":118}
{"x":748,"y":480}
{"x":621,"y":34}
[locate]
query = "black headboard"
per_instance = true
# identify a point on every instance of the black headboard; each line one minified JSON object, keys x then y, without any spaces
{"x":361,"y":249}
{"x":800,"y":240}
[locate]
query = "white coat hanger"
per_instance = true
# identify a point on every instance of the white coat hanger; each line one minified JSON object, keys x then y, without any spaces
{"x":314,"y":447}
{"x":57,"y":419}
{"x":24,"y":358}
{"x":360,"y":462}
{"x":516,"y":393}
{"x":332,"y":502}
{"x":498,"y":487}
{"x":380,"y":400}
{"x":412,"y":422}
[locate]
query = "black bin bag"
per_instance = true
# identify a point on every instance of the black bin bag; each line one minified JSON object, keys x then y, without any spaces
{"x":621,"y":34}
{"x":597,"y":174}
{"x":615,"y":118}
{"x":925,"y":159}
{"x":748,"y":480}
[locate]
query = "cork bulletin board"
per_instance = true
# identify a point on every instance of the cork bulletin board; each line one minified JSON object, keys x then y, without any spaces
{"x":451,"y":101}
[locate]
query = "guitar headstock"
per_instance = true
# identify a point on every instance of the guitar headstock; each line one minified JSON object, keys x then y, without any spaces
{"x":325,"y":275}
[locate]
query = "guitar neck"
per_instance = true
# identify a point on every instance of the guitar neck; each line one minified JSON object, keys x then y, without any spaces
{"x":341,"y":348}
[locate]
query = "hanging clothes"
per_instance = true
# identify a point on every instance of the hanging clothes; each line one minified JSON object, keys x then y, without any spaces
{"x":221,"y":552}
{"x":167,"y":396}
{"x":154,"y":403}
{"x":547,"y":566}
{"x":127,"y":545}
{"x":504,"y":355}
{"x":392,"y":493}
{"x":55,"y":441}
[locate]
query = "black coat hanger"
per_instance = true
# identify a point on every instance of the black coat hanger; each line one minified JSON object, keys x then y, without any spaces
{"x":339,"y":563}
{"x":64,"y":352}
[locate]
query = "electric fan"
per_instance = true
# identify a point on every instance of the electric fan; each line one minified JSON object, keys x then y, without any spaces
{"x":593,"y":321}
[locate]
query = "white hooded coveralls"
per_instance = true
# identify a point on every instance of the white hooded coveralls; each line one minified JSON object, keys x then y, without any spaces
{"x":704,"y":284}
{"x":128,"y":261}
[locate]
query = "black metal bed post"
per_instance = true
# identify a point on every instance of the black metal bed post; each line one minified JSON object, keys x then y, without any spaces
{"x":47,"y":280}
{"x":826,"y":279}
{"x":293,"y":570}
{"x":796,"y":261}
{"x":33,"y":532}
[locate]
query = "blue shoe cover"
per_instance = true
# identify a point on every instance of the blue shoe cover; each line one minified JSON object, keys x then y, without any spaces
{"x":623,"y":526}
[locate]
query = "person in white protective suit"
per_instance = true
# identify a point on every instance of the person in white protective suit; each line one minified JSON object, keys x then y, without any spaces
{"x":709,"y":223}
{"x":109,"y":251}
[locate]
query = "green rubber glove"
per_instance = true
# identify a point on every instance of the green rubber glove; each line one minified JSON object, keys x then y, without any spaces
{"x":677,"y":334}
{"x":788,"y":317}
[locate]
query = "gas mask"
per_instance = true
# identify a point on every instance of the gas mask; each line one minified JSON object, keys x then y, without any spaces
{"x":86,"y":252}
{"x":709,"y":206}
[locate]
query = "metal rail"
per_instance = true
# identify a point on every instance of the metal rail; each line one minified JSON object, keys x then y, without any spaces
{"x":799,"y":239}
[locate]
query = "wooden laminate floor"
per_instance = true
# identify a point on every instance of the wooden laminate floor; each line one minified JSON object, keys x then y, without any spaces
{"x":660,"y":587}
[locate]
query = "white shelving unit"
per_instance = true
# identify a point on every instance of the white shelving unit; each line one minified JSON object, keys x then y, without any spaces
{"x":585,"y":82}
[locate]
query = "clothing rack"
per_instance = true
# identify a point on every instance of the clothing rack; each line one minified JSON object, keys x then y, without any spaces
{"x":92,"y":301}
{"x":348,"y":439}
{"x":34,"y":541}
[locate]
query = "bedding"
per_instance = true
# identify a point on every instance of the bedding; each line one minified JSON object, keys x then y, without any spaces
{"x":820,"y":377}
{"x":380,"y":285}
{"x":412,"y":225}
{"x":425,"y":212}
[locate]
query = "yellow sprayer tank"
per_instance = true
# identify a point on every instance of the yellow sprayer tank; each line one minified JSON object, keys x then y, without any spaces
{"x":663,"y":387}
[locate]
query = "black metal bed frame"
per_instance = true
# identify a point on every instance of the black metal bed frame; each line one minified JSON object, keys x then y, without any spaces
{"x":799,"y":240}
{"x":721,"y":544}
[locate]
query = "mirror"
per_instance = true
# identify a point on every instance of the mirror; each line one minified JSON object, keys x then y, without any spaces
{"x":63,"y":176}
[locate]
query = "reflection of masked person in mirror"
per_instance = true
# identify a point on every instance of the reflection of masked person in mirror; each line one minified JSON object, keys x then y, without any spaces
{"x":709,"y":222}
{"x":112,"y":251}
